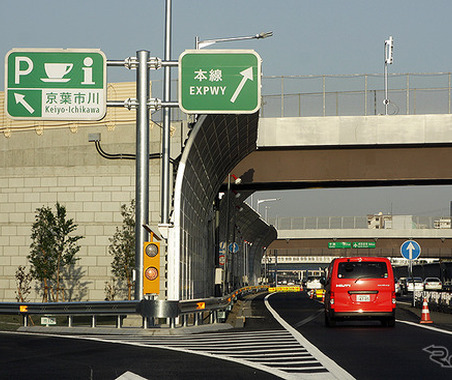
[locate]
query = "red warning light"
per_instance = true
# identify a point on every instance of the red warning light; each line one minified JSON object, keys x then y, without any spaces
{"x":151,"y":273}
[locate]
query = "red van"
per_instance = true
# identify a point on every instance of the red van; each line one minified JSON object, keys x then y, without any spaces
{"x":360,"y":288}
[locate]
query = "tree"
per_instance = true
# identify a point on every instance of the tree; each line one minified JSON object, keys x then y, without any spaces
{"x":52,"y":249}
{"x":23,"y":284}
{"x":122,"y":248}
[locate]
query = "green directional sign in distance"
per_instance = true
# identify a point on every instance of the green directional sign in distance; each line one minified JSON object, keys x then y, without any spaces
{"x":339,"y":245}
{"x":363,"y":244}
{"x":55,"y":84}
{"x":219,"y":81}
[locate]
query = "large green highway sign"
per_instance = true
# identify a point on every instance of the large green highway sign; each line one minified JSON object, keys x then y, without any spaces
{"x":55,"y":84}
{"x":219,"y":81}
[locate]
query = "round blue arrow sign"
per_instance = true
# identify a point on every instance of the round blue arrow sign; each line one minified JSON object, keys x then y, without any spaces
{"x":410,"y":250}
{"x":233,"y":247}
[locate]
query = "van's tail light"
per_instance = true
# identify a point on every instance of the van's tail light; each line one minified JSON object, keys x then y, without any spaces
{"x":332,"y":298}
{"x":394,"y":297}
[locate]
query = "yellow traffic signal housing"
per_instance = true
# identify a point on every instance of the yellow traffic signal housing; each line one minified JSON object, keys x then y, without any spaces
{"x":151,"y":268}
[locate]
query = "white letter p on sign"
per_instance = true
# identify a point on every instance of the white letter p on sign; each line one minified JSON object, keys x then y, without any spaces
{"x":18,"y":72}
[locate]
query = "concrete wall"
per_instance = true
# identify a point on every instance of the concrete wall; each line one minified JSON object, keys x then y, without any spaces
{"x":43,"y":164}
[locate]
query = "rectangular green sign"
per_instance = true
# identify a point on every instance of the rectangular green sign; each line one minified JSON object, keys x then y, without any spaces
{"x":339,"y":244}
{"x":363,"y":244}
{"x":55,"y":84}
{"x":219,"y":81}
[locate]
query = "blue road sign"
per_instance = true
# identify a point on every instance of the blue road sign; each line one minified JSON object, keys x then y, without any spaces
{"x":233,"y":247}
{"x":410,"y":250}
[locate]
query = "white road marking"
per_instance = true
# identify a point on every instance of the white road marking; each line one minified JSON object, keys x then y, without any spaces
{"x":335,"y":370}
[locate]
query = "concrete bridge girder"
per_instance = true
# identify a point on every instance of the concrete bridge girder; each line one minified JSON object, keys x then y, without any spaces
{"x":386,"y":247}
{"x":350,"y":151}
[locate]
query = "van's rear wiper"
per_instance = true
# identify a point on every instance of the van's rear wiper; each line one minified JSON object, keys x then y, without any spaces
{"x":361,"y":277}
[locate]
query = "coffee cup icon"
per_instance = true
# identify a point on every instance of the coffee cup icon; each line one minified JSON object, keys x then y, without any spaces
{"x":56,"y":72}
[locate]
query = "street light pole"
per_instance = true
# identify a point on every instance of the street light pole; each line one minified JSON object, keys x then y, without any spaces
{"x":266,"y":200}
{"x":205,"y":43}
{"x":389,"y":45}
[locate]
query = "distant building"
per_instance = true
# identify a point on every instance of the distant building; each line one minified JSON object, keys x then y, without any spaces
{"x":443,"y":223}
{"x":388,"y":222}
{"x":379,"y":221}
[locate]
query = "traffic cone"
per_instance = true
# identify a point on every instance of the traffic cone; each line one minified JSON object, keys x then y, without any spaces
{"x":323,"y":297}
{"x":311,"y":294}
{"x":425,"y":317}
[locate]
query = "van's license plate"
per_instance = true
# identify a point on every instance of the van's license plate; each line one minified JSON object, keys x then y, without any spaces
{"x":363,"y":297}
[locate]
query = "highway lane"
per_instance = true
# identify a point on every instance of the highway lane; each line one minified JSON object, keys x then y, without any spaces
{"x":264,"y":349}
{"x":367,"y":350}
{"x":291,"y":343}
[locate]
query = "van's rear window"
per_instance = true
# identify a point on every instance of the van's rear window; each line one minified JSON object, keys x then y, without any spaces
{"x":362,"y":269}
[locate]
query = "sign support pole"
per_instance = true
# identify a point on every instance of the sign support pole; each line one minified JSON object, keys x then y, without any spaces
{"x":166,"y":119}
{"x":142,"y":167}
{"x":412,"y":279}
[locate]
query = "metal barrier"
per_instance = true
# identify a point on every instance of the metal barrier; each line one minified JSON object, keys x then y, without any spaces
{"x":437,"y":301}
{"x":150,"y":310}
{"x":347,"y":95}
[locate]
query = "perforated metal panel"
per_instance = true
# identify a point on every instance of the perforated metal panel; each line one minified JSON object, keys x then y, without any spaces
{"x":216,"y":144}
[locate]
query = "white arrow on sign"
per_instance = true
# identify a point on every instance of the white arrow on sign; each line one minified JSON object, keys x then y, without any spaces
{"x":410,"y":249}
{"x":247,"y":74}
{"x":21,"y":99}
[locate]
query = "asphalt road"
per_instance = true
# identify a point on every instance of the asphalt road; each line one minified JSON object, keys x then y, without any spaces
{"x":366,"y":349}
{"x":42,"y":357}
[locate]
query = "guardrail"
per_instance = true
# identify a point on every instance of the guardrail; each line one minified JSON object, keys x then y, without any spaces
{"x":437,"y":301}
{"x":347,"y":95}
{"x":152,"y":311}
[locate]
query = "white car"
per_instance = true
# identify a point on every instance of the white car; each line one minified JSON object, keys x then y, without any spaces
{"x":397,"y":288}
{"x":418,"y":284}
{"x":432,"y":283}
{"x":313,"y":283}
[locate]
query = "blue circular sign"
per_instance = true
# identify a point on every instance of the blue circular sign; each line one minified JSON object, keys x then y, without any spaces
{"x":233,"y":247}
{"x":410,"y":250}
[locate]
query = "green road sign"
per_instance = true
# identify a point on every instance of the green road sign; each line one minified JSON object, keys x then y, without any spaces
{"x":219,"y":81}
{"x":339,"y":244}
{"x":55,"y":84}
{"x":363,"y":244}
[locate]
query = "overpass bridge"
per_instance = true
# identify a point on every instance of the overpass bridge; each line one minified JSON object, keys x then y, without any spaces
{"x":307,"y":244}
{"x":349,"y":151}
{"x":313,"y":237}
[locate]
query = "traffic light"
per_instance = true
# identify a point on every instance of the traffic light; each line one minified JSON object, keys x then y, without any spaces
{"x":151,"y":268}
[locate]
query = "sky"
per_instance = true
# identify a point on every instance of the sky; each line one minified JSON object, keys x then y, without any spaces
{"x":310,"y":38}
